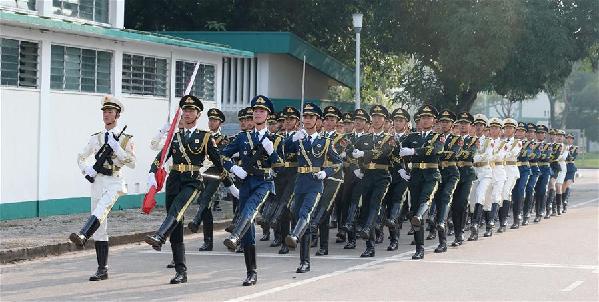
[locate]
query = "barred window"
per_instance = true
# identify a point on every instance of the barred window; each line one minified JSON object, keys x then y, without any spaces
{"x":93,"y":10}
{"x":80,"y":69}
{"x":144,"y":75}
{"x":203,"y":86}
{"x":18,"y":63}
{"x":19,"y":4}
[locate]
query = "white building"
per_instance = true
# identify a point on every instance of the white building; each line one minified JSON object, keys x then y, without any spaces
{"x":57,"y":62}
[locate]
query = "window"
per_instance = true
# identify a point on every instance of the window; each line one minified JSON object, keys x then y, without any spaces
{"x":19,"y":4}
{"x":144,"y":75}
{"x":93,"y":10}
{"x":18,"y":63}
{"x":80,"y":69}
{"x":203,"y":86}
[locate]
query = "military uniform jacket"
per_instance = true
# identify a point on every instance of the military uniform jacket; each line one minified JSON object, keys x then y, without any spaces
{"x":97,"y":140}
{"x":545,"y":151}
{"x":525,"y":153}
{"x":572,"y":153}
{"x":221,"y":141}
{"x":427,"y":147}
{"x":350,"y":140}
{"x":377,"y":153}
{"x":466,"y":155}
{"x":397,"y":162}
{"x":337,"y":143}
{"x":535,"y":152}
{"x":451,"y":148}
{"x":252,"y":156}
{"x":287,"y":159}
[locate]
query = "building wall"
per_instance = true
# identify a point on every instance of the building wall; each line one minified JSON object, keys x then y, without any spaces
{"x":43,"y":130}
{"x":285,"y":78}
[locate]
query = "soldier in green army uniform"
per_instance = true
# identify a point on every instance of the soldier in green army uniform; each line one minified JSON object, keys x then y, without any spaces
{"x":373,"y":152}
{"x":465,"y":159}
{"x":188,"y":149}
{"x":450,"y":177}
{"x":341,"y":206}
{"x":424,"y":147}
{"x":211,"y":183}
{"x":319,"y":223}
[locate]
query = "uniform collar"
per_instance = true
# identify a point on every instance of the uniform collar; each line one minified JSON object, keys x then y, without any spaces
{"x":193,"y":129}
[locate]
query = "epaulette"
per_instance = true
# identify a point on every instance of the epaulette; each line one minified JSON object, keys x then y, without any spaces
{"x":96,"y":133}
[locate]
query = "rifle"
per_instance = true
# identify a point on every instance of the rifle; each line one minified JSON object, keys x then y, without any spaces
{"x":102,"y":156}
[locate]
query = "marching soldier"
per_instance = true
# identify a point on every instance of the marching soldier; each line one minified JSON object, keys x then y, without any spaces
{"x":459,"y":206}
{"x":313,"y":153}
{"x":341,"y":208}
{"x":513,"y":147}
{"x":396,"y":198}
{"x":353,"y":187}
{"x":522,"y":162}
{"x":484,"y":174}
{"x":211,"y":183}
{"x":257,"y":154}
{"x":113,"y":150}
{"x":533,"y":159}
{"x":494,"y":194}
{"x":560,"y":157}
{"x":450,"y":176}
{"x":570,"y":169}
{"x":373,"y":151}
{"x":424,"y":148}
{"x":544,"y":172}
{"x":319,"y":223}
{"x":188,"y":149}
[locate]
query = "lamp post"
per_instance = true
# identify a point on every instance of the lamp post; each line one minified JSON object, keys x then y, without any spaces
{"x":357,"y":22}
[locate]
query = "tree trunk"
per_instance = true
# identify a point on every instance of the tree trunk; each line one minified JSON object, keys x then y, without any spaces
{"x":466,"y":100}
{"x":552,"y":121}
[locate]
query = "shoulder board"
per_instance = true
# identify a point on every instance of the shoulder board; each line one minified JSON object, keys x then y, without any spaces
{"x":127,"y":135}
{"x":96,"y":133}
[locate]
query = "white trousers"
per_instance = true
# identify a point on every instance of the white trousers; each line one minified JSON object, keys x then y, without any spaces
{"x":105,"y":191}
{"x":478,"y":192}
{"x":561,"y":175}
{"x":512,"y":174}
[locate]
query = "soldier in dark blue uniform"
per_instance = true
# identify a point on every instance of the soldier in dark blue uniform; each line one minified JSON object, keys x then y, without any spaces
{"x":319,"y":223}
{"x":396,"y":198}
{"x":570,"y":169}
{"x":519,"y":190}
{"x":317,"y":160}
{"x":188,"y":149}
{"x":373,"y":151}
{"x":424,"y":148}
{"x":529,"y":200}
{"x":348,"y":176}
{"x":256,"y":155}
{"x":450,"y":176}
{"x":544,"y":171}
{"x":465,"y":160}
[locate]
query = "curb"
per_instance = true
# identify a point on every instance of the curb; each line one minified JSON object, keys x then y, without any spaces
{"x":24,"y":254}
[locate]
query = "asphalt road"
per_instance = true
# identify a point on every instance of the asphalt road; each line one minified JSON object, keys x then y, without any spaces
{"x":555,"y":260}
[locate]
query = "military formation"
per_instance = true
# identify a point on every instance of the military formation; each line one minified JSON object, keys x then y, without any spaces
{"x":300,"y":173}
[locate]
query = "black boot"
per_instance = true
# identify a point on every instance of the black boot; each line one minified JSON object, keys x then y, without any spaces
{"x":300,"y":227}
{"x":351,"y":241}
{"x":565,"y":198}
{"x":450,"y":229}
{"x":240,"y":229}
{"x":277,"y":241}
{"x":194,"y":225}
{"x":417,"y":219}
{"x":102,"y":258}
{"x":442,"y":248}
{"x":89,"y":228}
{"x":432,"y":234}
{"x":207,"y":246}
{"x":165,"y":230}
{"x":394,"y":236}
{"x":558,"y":203}
{"x":314,"y":239}
{"x":419,"y":252}
{"x":249,"y":254}
{"x":180,"y":267}
{"x":503,"y":213}
{"x":284,"y":249}
{"x":476,"y":218}
{"x":490,"y":223}
{"x":304,"y":266}
{"x":369,"y":252}
{"x":548,"y":203}
{"x":516,"y":210}
{"x":340,"y":237}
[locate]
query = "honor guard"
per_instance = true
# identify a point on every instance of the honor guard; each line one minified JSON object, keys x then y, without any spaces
{"x":373,"y":152}
{"x":484,"y":174}
{"x":188,"y":149}
{"x":353,"y":187}
{"x":396,"y":198}
{"x":533,"y":158}
{"x":544,"y":171}
{"x":211,"y":183}
{"x":450,"y":176}
{"x":344,"y":191}
{"x":561,"y":155}
{"x":465,"y":158}
{"x":319,"y":222}
{"x":570,"y":169}
{"x":522,"y":162}
{"x":424,"y":148}
{"x":257,"y":154}
{"x":317,"y":160}
{"x":112,"y":149}
{"x":512,"y":173}
{"x":494,"y":194}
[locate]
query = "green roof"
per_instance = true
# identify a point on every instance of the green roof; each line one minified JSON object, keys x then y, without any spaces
{"x":277,"y":43}
{"x":55,"y":24}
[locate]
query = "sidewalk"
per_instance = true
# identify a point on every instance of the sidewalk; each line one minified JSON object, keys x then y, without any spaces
{"x":26,"y":239}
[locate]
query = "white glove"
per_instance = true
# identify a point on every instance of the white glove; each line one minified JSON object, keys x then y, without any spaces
{"x":89,"y":170}
{"x":404,"y":174}
{"x":165,"y":128}
{"x":268,"y":146}
{"x":358,"y":173}
{"x":298,"y":135}
{"x":357,"y":153}
{"x":113,"y":143}
{"x":321,"y":175}
{"x":406,"y":151}
{"x":152,"y":180}
{"x":234,"y":191}
{"x":343,"y":154}
{"x":239,"y":172}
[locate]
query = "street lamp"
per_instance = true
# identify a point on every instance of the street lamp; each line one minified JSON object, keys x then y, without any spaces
{"x":357,"y":22}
